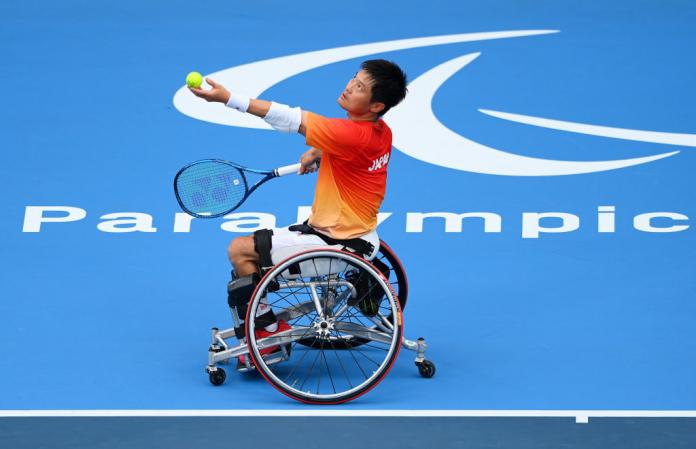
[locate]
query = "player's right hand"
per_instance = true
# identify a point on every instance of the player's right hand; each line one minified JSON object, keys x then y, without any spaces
{"x":309,"y":161}
{"x":217,"y":93}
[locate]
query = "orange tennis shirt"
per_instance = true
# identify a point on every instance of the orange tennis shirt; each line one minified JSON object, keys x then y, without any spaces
{"x":352,"y":174}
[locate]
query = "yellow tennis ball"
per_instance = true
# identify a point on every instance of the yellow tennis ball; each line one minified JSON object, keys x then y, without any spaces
{"x":194,"y":79}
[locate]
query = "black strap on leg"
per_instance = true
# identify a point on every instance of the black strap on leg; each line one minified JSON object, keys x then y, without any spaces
{"x":362,"y":247}
{"x":263,"y":243}
{"x":239,"y":292}
{"x":260,"y":322}
{"x":265,"y":319}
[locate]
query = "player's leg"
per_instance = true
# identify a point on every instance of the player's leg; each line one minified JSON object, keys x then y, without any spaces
{"x":243,"y":255}
{"x":264,"y":248}
{"x":247,"y":254}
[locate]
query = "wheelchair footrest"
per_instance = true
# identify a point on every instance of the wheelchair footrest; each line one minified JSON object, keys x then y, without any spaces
{"x":270,"y":359}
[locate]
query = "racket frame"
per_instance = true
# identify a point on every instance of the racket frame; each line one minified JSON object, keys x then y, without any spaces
{"x":269,"y":174}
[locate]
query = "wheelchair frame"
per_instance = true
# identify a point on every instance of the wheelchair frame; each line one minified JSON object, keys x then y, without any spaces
{"x":326,"y":326}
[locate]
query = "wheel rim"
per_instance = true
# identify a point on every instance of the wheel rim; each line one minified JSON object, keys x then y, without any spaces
{"x":326,"y":371}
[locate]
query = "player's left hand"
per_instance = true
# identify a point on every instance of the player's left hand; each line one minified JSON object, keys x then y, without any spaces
{"x":218,"y":93}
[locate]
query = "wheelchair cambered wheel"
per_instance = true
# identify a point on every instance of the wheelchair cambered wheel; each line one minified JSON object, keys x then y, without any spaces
{"x":319,"y":297}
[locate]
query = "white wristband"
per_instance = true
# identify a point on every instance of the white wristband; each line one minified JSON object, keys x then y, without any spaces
{"x":284,"y":118}
{"x":238,"y":102}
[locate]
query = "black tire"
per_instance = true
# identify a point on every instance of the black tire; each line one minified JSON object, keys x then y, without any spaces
{"x":397,"y":274}
{"x":217,"y":377}
{"x":322,"y":302}
{"x":426,"y":368}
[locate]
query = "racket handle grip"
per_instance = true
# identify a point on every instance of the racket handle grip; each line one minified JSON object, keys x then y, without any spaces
{"x":288,"y":169}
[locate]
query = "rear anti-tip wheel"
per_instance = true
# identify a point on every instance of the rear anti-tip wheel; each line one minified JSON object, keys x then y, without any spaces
{"x":217,"y":377}
{"x":426,"y":368}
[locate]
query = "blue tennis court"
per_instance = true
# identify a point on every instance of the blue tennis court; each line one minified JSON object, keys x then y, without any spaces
{"x":540,"y":196}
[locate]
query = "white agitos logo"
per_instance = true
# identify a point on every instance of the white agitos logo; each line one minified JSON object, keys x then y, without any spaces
{"x":417,"y":131}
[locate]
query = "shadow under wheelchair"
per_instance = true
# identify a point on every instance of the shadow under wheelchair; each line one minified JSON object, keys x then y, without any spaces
{"x":340,"y":326}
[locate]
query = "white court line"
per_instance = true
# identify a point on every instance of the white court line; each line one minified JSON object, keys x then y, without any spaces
{"x":581,"y":416}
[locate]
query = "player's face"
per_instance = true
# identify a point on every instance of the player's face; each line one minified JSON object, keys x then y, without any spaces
{"x":356,"y":97}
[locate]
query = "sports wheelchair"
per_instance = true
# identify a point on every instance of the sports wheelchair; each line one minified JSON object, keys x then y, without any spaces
{"x":345,"y":326}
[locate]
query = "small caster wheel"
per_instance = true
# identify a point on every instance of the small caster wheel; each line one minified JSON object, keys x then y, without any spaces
{"x":426,"y":368}
{"x":217,"y":377}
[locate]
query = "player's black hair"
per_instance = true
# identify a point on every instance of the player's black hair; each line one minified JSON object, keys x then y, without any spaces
{"x":388,"y":82}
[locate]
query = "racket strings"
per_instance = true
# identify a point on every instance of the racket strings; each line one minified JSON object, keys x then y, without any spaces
{"x":211,"y":188}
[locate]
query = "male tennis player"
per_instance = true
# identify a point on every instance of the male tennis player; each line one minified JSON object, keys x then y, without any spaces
{"x":352,"y":178}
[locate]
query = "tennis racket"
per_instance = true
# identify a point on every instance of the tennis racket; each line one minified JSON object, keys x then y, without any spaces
{"x":211,"y":188}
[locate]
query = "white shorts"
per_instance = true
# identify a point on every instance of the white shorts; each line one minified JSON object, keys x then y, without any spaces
{"x":287,"y":243}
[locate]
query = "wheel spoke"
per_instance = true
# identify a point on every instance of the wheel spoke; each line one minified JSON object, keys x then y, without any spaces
{"x":311,"y":368}
{"x":341,"y":363}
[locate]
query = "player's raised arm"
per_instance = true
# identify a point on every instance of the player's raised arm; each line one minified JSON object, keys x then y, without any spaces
{"x":281,"y":117}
